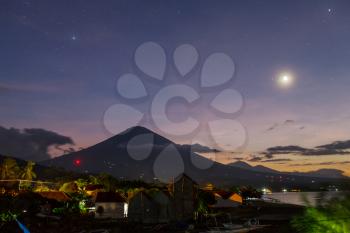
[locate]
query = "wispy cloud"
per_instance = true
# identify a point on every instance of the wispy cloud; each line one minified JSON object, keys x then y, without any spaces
{"x":335,"y":148}
{"x":276,"y":160}
{"x":320,"y":164}
{"x":275,"y":126}
{"x":15,"y":87}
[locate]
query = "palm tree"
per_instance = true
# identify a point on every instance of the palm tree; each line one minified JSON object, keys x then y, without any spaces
{"x":9,"y":169}
{"x":28,"y":173}
{"x":93,"y":180}
{"x":81,"y":183}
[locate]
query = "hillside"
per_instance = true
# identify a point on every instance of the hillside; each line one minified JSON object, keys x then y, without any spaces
{"x":45,"y":173}
{"x":112,"y":156}
{"x":325,"y":173}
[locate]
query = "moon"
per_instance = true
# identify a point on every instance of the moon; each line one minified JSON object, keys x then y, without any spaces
{"x":285,"y":80}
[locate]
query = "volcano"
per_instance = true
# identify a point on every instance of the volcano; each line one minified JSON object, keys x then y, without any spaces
{"x":139,"y":153}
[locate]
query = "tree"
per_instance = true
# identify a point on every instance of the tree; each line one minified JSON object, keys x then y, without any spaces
{"x":69,"y":187}
{"x":28,"y":173}
{"x":41,"y":187}
{"x":330,"y":217}
{"x":250,"y":192}
{"x":81,"y":183}
{"x":205,"y":199}
{"x":9,"y":169}
{"x":93,"y":179}
{"x":109,"y":182}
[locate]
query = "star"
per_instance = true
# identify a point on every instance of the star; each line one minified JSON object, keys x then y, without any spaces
{"x":285,"y":80}
{"x":329,"y":10}
{"x":74,"y":37}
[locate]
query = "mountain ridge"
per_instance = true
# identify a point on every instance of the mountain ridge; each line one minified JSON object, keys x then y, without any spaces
{"x":112,"y":156}
{"x":323,"y":172}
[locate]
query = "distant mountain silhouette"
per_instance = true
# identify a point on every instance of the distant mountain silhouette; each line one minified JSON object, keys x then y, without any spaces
{"x":113,"y":156}
{"x":324,"y":172}
{"x":321,"y":173}
{"x":258,"y":168}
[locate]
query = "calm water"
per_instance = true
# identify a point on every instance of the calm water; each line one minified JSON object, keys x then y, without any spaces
{"x":297,"y":198}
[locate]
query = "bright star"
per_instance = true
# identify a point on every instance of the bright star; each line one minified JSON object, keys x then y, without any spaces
{"x":74,"y":38}
{"x":285,"y":80}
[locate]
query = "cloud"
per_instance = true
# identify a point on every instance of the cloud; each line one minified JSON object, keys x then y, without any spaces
{"x":336,"y":148}
{"x":25,"y":87}
{"x":326,"y":152}
{"x":272,"y":127}
{"x":337,"y":145}
{"x":255,"y":158}
{"x":30,"y":144}
{"x":320,"y":164}
{"x":275,"y":160}
{"x":285,"y":149}
{"x":287,"y":122}
{"x":199,"y":148}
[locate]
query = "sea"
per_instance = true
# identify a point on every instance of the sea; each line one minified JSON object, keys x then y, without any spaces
{"x":303,"y":198}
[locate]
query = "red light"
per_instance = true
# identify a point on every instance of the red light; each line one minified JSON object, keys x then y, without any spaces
{"x":77,"y":162}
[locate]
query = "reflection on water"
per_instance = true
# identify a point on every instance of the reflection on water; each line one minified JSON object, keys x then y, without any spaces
{"x":298,"y":198}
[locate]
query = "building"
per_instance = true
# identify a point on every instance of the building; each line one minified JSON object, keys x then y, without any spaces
{"x":142,"y":208}
{"x":55,"y":195}
{"x":110,"y":205}
{"x":154,"y":206}
{"x":184,"y":192}
{"x":165,"y":206}
{"x":92,"y":189}
{"x":226,"y":200}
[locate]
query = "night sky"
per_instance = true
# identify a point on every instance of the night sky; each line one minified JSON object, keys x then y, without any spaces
{"x":60,"y":61}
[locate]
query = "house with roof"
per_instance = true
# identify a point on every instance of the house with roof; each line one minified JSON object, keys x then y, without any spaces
{"x":165,"y":206}
{"x":225,"y":200}
{"x":55,"y":195}
{"x":110,"y":205}
{"x":184,"y":192}
{"x":153,"y":206}
{"x":92,"y":189}
{"x":142,"y":208}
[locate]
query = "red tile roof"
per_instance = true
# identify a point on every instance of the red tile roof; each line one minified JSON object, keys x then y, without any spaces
{"x":55,"y":195}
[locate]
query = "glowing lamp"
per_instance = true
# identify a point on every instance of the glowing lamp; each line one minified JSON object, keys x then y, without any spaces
{"x":77,"y":162}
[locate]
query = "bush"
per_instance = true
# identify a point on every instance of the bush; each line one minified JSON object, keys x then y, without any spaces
{"x":330,"y":217}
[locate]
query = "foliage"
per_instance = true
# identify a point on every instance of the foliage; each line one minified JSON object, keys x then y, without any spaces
{"x":41,"y":187}
{"x":109,"y":182}
{"x":58,"y":210}
{"x":28,"y":201}
{"x":235,"y":189}
{"x":9,"y":169}
{"x":16,"y":205}
{"x":69,"y":187}
{"x":28,"y":173}
{"x":250,"y":192}
{"x":112,"y":184}
{"x":79,"y":200}
{"x":81,"y":183}
{"x":332,"y":216}
{"x":205,"y":199}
